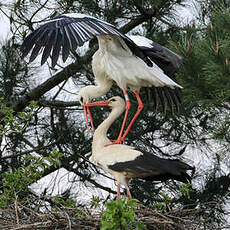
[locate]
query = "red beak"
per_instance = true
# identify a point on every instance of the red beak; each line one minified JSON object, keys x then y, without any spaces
{"x":98,"y":103}
{"x":87,"y":111}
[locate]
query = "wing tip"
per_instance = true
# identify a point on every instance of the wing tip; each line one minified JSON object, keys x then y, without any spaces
{"x":164,"y":99}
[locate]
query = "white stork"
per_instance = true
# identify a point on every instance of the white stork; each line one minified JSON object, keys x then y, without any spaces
{"x":119,"y":59}
{"x":125,"y":162}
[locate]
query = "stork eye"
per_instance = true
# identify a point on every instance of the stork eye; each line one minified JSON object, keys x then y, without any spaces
{"x":113,"y":99}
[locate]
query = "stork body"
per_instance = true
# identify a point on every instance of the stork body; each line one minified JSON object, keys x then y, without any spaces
{"x":119,"y":59}
{"x":125,"y":162}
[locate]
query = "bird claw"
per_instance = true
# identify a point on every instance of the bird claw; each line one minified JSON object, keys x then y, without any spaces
{"x":119,"y":141}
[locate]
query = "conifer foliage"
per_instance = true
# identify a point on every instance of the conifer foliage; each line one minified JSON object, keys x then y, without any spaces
{"x":42,"y":130}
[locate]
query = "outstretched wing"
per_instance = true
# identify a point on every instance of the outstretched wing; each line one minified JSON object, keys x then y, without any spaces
{"x":64,"y":33}
{"x":169,"y":62}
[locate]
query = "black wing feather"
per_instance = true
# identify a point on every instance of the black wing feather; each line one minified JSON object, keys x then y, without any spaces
{"x":65,"y":45}
{"x":176,"y":97}
{"x":30,"y":41}
{"x":167,"y":60}
{"x":40,"y":42}
{"x":48,"y":46}
{"x":72,"y":33}
{"x":155,"y":168}
{"x":163,"y":97}
{"x":170,"y":100}
{"x":56,"y":48}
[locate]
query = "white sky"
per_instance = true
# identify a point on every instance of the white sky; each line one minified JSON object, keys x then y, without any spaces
{"x":57,"y":179}
{"x":62,"y":175}
{"x":4,"y":25}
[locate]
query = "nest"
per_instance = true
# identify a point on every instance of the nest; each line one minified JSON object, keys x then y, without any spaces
{"x":19,"y":216}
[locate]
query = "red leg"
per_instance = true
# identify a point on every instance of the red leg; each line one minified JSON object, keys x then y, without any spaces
{"x":127,"y":189}
{"x":120,"y":139}
{"x":90,"y":117}
{"x":86,"y":113}
{"x":140,"y":107}
{"x":86,"y":117}
{"x":118,"y":192}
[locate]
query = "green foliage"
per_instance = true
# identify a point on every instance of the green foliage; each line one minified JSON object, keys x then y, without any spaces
{"x":120,"y":215}
{"x":55,"y":158}
{"x":166,"y":201}
{"x":67,"y":203}
{"x":15,"y":184}
{"x":204,"y":47}
{"x":184,"y":190}
{"x":205,"y":74}
{"x":13,"y":73}
{"x":162,"y":206}
{"x":15,"y":123}
{"x":95,"y":202}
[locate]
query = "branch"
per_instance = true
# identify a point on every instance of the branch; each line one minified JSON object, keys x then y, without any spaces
{"x":71,"y":69}
{"x":58,"y":103}
{"x":138,"y":20}
{"x":35,"y":149}
{"x":40,"y":90}
{"x":184,"y":28}
{"x":66,"y":163}
{"x":81,"y":175}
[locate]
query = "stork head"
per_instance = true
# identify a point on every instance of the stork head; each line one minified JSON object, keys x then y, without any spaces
{"x":84,"y":96}
{"x":90,"y":92}
{"x":113,"y":102}
{"x":116,"y":103}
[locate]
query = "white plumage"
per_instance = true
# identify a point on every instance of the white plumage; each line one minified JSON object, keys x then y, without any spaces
{"x":125,"y":162}
{"x":116,"y":62}
{"x":119,"y":59}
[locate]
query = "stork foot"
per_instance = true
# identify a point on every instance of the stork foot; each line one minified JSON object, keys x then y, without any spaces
{"x":118,"y":141}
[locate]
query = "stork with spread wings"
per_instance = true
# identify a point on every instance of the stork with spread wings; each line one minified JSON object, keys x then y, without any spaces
{"x":119,"y":59}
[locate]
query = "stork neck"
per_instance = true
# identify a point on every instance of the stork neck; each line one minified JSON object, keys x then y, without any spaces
{"x":102,"y":88}
{"x":100,"y":138}
{"x":94,"y":91}
{"x":101,"y":43}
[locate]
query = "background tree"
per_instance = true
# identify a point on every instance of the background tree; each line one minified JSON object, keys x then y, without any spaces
{"x":53,"y":126}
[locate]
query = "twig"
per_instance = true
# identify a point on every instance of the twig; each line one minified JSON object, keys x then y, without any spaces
{"x":16,"y":208}
{"x":31,"y":226}
{"x":69,"y":221}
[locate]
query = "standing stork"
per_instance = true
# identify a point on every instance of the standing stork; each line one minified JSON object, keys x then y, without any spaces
{"x":119,"y":59}
{"x":125,"y":162}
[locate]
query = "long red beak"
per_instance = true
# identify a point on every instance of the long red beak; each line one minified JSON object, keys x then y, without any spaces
{"x":87,"y":111}
{"x":98,"y":103}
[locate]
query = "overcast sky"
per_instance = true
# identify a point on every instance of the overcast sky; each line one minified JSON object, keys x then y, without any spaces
{"x":186,"y":14}
{"x":4,"y":27}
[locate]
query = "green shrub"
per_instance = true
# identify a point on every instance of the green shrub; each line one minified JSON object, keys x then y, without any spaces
{"x":121,"y":216}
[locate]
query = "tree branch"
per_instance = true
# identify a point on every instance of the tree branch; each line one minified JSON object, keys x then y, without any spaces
{"x":40,"y":90}
{"x":81,"y":175}
{"x":137,"y":21}
{"x":58,"y":103}
{"x":71,"y":69}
